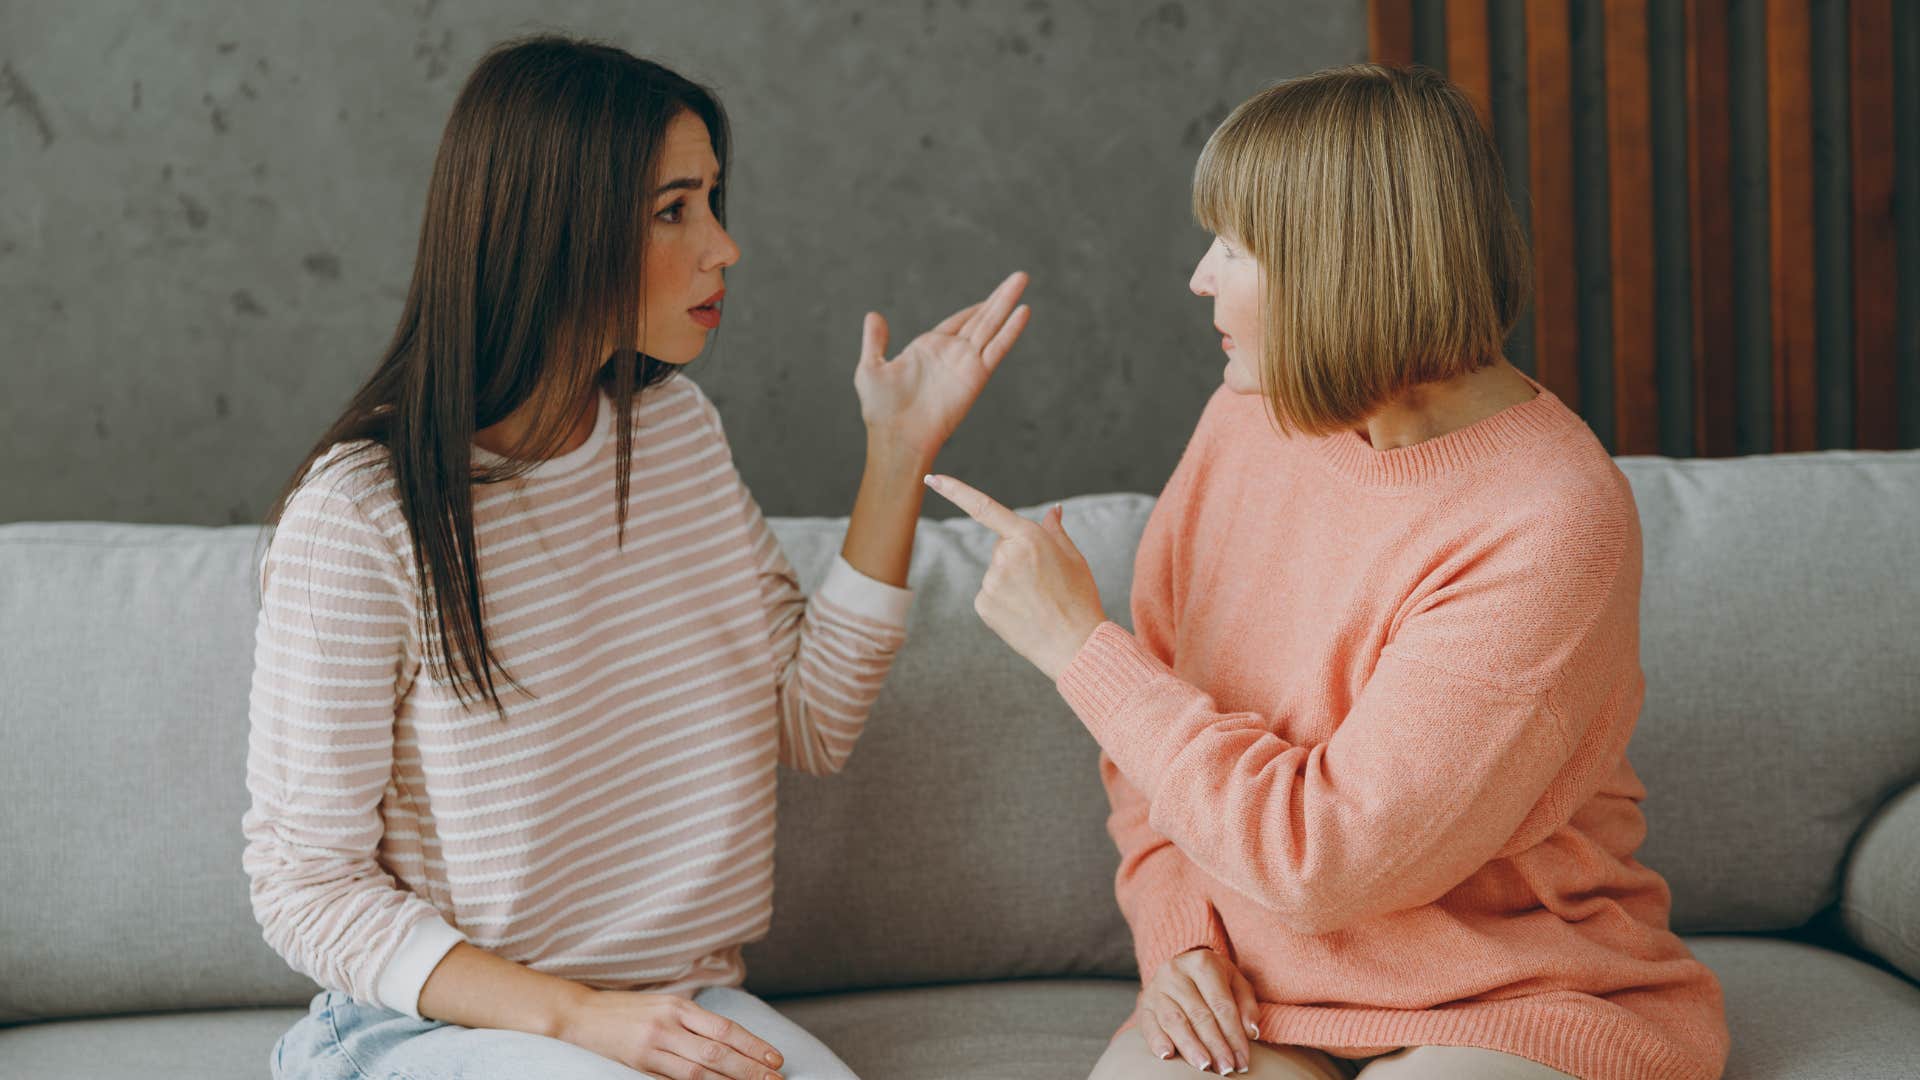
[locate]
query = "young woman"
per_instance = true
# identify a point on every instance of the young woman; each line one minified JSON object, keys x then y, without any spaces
{"x":1365,"y":745}
{"x":528,"y":654}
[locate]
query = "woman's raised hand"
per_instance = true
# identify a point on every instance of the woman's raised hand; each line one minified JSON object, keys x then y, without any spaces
{"x":918,"y":398}
{"x":666,"y":1035}
{"x":1200,"y":1005}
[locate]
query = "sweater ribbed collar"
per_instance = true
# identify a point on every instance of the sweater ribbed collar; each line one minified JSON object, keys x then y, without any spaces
{"x":1349,"y":454}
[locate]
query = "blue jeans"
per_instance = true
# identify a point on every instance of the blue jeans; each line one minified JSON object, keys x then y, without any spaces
{"x":342,"y":1039}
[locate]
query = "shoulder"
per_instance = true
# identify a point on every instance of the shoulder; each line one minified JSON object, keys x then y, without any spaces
{"x":1540,"y":568}
{"x":1568,"y":500}
{"x":356,"y":475}
{"x":348,"y":502}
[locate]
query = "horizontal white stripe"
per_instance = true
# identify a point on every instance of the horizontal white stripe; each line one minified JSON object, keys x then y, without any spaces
{"x":545,"y":518}
{"x":531,"y":824}
{"x":594,"y":498}
{"x":709,"y":838}
{"x":727,"y":635}
{"x":268,"y":687}
{"x":306,"y":678}
{"x":449,"y":811}
{"x":759,"y":873}
{"x":733,"y":934}
{"x":586,"y":616}
{"x":624,"y":715}
{"x":310,"y":633}
{"x":602,"y":541}
{"x":265,"y":644}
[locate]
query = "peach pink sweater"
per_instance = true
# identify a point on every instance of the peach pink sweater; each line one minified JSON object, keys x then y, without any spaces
{"x":1368,"y":740}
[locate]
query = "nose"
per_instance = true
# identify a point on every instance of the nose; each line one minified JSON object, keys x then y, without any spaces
{"x":722,"y":252}
{"x":1201,"y":284}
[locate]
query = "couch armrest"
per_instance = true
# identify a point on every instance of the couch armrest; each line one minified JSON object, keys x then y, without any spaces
{"x":1880,"y":895}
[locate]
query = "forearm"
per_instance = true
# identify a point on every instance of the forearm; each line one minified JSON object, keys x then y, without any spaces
{"x":477,"y":989}
{"x":879,"y":539}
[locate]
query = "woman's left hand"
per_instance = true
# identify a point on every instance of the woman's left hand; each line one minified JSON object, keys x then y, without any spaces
{"x":1038,"y":594}
{"x":917,"y":399}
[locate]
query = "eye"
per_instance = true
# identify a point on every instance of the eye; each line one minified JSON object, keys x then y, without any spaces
{"x":1227,"y":248}
{"x":671,"y":215}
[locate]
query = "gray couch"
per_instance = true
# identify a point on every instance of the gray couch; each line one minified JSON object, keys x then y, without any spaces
{"x":944,"y":907}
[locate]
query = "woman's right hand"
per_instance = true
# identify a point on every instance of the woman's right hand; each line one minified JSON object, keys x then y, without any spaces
{"x":1201,"y":1005}
{"x":668,"y":1036}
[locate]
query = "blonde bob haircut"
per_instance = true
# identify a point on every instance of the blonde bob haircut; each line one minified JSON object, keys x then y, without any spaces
{"x":1372,"y":199}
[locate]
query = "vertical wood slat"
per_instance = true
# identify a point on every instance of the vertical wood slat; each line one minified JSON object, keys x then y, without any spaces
{"x":1710,"y":240}
{"x":1556,"y":299}
{"x":1470,"y":54}
{"x":1636,"y":390}
{"x":1390,"y":31}
{"x":1875,"y":262}
{"x":1796,"y":404}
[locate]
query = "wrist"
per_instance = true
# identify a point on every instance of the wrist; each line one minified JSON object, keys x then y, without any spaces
{"x":1073,"y":642}
{"x":560,"y":1018}
{"x":890,"y":452}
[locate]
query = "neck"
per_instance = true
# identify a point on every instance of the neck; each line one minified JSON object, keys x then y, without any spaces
{"x":502,"y":437}
{"x":1431,"y":410}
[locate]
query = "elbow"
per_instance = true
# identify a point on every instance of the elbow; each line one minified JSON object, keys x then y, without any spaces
{"x":1314,"y":920}
{"x":822,"y":762}
{"x":1309,"y":908}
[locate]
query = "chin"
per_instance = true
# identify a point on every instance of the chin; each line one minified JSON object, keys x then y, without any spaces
{"x":677,"y":357}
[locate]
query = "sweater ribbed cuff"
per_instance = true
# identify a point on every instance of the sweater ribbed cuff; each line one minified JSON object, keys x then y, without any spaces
{"x":1109,"y":668}
{"x":428,"y":941}
{"x":1169,"y":931}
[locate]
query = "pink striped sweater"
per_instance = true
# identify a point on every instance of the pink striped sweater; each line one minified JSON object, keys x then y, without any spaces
{"x":618,"y":828}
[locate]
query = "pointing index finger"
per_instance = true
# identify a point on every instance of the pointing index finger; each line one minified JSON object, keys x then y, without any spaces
{"x":979,"y":506}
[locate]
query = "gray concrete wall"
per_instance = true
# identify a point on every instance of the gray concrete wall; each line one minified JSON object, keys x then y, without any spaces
{"x":208,"y":214}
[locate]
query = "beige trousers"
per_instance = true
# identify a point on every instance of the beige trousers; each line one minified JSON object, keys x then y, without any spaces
{"x":1128,"y":1058}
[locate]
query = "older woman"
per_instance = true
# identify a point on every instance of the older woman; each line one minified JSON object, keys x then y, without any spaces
{"x":1365,"y":745}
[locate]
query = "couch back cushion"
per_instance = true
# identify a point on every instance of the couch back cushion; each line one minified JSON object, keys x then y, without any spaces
{"x":126,"y":653}
{"x":965,"y":839}
{"x":1780,"y":635}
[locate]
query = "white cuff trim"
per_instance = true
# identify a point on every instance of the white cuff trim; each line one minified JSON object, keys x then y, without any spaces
{"x":426,"y":944}
{"x":866,"y":596}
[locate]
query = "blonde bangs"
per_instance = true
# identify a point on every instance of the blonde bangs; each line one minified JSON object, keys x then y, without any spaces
{"x":1226,"y":178}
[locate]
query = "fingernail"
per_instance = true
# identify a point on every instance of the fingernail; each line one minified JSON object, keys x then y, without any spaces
{"x":773,"y":1059}
{"x":930,"y":481}
{"x":1253,"y":1031}
{"x":1165,"y":1054}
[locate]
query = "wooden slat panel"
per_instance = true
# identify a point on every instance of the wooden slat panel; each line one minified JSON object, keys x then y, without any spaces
{"x":1710,"y":217}
{"x":1875,"y":267}
{"x":1470,"y":54}
{"x":1390,"y":31}
{"x":1556,"y":301}
{"x":1790,"y":220}
{"x":1636,"y":390}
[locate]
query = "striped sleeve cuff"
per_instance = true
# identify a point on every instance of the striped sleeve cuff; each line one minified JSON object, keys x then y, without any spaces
{"x":854,"y":591}
{"x":427,"y":942}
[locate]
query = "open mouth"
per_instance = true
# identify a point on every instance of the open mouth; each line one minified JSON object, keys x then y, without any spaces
{"x":707,"y":312}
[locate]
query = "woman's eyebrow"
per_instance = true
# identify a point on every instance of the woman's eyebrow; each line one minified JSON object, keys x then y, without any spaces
{"x":687,"y":183}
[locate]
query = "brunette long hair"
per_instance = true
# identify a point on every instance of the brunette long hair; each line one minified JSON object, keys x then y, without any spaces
{"x":527,"y":287}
